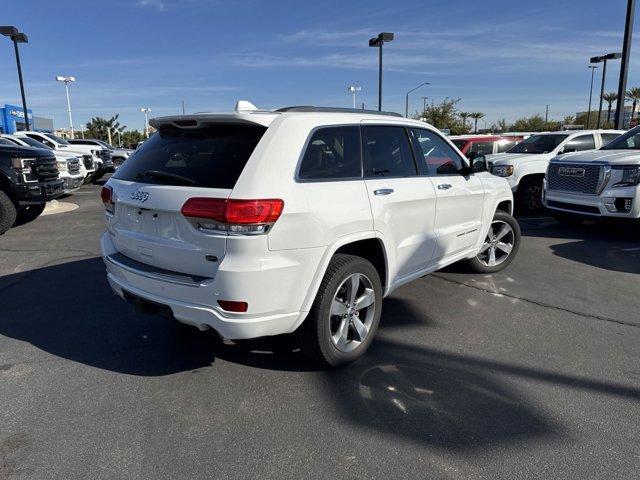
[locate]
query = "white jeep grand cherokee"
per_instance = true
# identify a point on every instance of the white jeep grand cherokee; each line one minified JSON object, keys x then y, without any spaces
{"x":600,"y":183}
{"x":260,"y":223}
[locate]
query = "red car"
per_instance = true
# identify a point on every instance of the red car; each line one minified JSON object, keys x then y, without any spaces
{"x":483,"y":144}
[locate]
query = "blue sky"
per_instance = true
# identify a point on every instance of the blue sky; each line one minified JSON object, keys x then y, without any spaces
{"x":505,"y":58}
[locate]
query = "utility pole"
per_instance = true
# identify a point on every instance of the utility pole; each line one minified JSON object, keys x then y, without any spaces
{"x":182,"y":107}
{"x":593,"y":69}
{"x":624,"y":66}
{"x":546,"y":115}
{"x":424,"y":104}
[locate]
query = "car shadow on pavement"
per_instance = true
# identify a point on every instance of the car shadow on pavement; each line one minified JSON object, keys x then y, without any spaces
{"x":450,"y":400}
{"x":607,"y":245}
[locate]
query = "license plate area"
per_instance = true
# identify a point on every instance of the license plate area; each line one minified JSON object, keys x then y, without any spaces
{"x":147,"y":307}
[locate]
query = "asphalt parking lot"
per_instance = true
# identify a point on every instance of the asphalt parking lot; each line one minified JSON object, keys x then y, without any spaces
{"x":533,"y":372}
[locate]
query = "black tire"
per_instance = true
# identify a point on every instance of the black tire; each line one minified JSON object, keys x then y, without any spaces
{"x":29,"y":214}
{"x":315,"y":333}
{"x":479,"y":263}
{"x":8,"y":212}
{"x":529,"y":196}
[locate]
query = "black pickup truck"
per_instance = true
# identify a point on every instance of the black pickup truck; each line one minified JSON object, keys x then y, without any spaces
{"x":28,"y":179}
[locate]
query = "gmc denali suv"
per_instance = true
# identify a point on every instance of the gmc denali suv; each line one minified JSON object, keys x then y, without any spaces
{"x":525,"y":164}
{"x":300,"y":220}
{"x":28,"y":179}
{"x":599,"y":183}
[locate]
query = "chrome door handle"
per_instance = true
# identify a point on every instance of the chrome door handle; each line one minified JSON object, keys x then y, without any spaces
{"x":383,"y":191}
{"x":444,"y":186}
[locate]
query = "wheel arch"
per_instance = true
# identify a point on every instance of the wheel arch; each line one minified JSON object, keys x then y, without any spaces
{"x":367,"y":245}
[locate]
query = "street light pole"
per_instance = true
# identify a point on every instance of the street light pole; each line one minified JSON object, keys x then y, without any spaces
{"x":146,"y":111}
{"x":603,"y":59}
{"x":378,"y":42}
{"x":593,"y":69}
{"x":406,"y":100}
{"x":353,"y":89}
{"x":18,"y":37}
{"x":624,"y":66}
{"x":424,"y":104}
{"x":67,"y":81}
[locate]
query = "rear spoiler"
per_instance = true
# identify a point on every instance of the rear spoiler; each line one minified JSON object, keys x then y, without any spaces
{"x":198,"y":120}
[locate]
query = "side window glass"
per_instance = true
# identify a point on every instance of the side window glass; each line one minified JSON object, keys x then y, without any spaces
{"x":504,"y":145}
{"x":332,"y":153}
{"x":608,"y":137}
{"x":482,"y":148}
{"x":583,"y":142}
{"x":388,"y":152}
{"x":439,"y":157}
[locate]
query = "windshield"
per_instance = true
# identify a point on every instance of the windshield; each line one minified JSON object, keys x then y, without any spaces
{"x":538,"y":144}
{"x":459,"y":143}
{"x":105,"y":144}
{"x":55,"y":138}
{"x":33,"y":143}
{"x":627,"y":141}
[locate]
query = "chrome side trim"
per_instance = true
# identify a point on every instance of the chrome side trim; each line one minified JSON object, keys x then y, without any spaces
{"x":154,"y":273}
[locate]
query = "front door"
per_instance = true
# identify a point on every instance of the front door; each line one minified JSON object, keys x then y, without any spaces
{"x":403,"y":202}
{"x":459,"y":198}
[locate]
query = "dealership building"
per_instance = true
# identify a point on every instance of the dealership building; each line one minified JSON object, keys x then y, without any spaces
{"x":12,"y":120}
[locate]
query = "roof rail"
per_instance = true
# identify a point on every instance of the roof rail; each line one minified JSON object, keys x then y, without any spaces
{"x":310,"y":108}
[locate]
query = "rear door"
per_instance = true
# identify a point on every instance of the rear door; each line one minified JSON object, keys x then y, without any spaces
{"x":150,"y":189}
{"x":459,"y":198}
{"x":402,"y":201}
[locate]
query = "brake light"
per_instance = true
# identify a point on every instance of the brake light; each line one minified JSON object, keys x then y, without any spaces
{"x":233,"y":216}
{"x":106,"y":194}
{"x":231,"y":306}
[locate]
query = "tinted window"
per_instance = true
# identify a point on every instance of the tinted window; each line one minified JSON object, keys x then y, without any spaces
{"x":40,"y":139}
{"x":626,"y":141}
{"x":504,"y":145}
{"x":460,"y":143}
{"x":439,"y":157}
{"x":4,"y":141}
{"x":538,"y":144}
{"x":482,"y":148}
{"x":212,"y":156}
{"x":332,"y":152}
{"x":608,"y":137}
{"x":388,"y":152}
{"x":583,"y":142}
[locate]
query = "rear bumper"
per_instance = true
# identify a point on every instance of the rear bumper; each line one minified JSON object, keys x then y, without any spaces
{"x":604,"y":205}
{"x":193,"y":300}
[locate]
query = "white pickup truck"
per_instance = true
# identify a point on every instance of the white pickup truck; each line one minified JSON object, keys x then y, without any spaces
{"x":524,"y":166}
{"x":599,"y":183}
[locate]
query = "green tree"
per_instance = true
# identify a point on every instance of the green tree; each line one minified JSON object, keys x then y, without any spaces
{"x":633,"y":94}
{"x":609,"y":97}
{"x":444,"y":115}
{"x":99,"y":128}
{"x":464,"y":116}
{"x":131,"y":138}
{"x":476,"y":116}
{"x":502,"y":125}
{"x":589,"y":122}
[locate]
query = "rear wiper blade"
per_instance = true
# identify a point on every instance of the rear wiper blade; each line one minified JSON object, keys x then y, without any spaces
{"x":160,"y":176}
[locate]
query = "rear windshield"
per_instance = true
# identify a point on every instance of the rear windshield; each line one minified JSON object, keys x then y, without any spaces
{"x":459,"y":142}
{"x":212,"y":156}
{"x":538,"y":144}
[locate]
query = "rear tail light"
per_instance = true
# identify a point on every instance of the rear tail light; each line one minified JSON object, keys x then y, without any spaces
{"x":107,"y":198}
{"x":231,"y":306}
{"x":233,"y":216}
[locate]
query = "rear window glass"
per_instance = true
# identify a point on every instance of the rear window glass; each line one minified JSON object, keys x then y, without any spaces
{"x":212,"y":156}
{"x":332,"y":153}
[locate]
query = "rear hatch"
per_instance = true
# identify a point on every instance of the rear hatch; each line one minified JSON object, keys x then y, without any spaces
{"x":152,"y":186}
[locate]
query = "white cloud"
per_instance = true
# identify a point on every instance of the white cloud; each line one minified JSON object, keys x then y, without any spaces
{"x":159,"y":5}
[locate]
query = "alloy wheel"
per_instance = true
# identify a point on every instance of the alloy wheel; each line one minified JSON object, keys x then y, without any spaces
{"x":497,"y":245}
{"x":352,"y":312}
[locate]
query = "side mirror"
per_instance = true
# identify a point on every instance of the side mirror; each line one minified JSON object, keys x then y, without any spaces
{"x":567,"y":150}
{"x":479,"y":164}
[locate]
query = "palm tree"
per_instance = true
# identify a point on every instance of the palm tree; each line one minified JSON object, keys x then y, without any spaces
{"x":633,"y":94}
{"x":609,"y":97}
{"x":464,"y":116}
{"x":476,"y":116}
